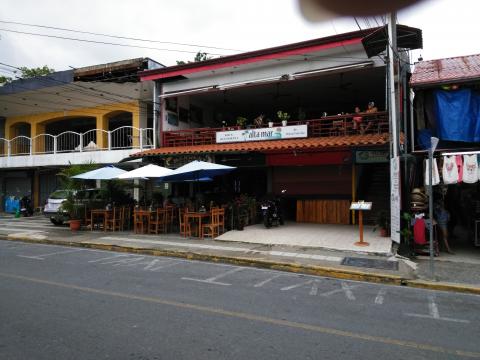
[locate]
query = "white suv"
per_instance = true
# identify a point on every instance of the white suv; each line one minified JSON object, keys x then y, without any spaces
{"x":53,"y":204}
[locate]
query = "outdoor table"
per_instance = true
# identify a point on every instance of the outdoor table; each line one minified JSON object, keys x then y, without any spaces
{"x":144,"y":216}
{"x":197,"y":216}
{"x":96,"y":214}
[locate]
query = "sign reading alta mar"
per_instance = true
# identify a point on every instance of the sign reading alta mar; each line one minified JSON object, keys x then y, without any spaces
{"x":273,"y":133}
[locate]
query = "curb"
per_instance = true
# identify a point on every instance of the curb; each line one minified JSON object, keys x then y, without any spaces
{"x":266,"y":264}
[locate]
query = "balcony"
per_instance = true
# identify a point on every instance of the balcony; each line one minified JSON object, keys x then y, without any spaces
{"x":96,"y":145}
{"x":339,"y":125}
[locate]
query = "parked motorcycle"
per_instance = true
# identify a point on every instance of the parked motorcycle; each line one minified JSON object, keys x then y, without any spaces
{"x":272,"y":212}
{"x":26,"y":208}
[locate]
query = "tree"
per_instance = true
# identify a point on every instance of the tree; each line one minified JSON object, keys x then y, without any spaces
{"x":34,"y":72}
{"x":28,"y":73}
{"x":200,"y":56}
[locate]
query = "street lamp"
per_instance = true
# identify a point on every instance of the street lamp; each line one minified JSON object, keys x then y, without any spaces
{"x":433,"y":146}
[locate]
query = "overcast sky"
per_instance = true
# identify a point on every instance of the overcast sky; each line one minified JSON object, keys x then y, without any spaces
{"x":449,"y":29}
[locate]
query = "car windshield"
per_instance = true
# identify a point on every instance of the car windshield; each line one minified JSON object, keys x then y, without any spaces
{"x":59,"y":194}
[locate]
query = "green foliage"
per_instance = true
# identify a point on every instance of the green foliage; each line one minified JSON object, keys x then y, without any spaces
{"x":71,"y":206}
{"x":65,"y":176}
{"x":241,"y":121}
{"x":4,"y":80}
{"x":407,"y":232}
{"x":34,"y":72}
{"x":283,"y":116}
{"x":199,"y":56}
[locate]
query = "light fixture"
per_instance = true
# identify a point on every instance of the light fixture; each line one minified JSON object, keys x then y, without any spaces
{"x":256,"y":81}
{"x":336,"y":68}
{"x":184,"y":92}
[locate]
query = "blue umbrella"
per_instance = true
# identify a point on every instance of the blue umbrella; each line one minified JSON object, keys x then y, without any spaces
{"x":105,"y":173}
{"x":197,"y":171}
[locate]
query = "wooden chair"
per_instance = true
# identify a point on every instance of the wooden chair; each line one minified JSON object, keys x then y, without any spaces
{"x":170,"y":210}
{"x":88,"y":218}
{"x":185,"y":228}
{"x":158,"y":221}
{"x":221,"y":221}
{"x":138,"y":222}
{"x":114,"y":221}
{"x":212,"y":229}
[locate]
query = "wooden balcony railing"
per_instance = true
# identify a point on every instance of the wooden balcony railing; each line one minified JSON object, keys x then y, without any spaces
{"x":338,"y":125}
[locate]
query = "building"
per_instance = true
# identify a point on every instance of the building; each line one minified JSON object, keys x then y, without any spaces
{"x":99,"y":114}
{"x":447,"y":106}
{"x":226,"y":110}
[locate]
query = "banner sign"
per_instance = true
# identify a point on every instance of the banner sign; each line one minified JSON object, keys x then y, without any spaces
{"x":371,"y":156}
{"x":273,"y":133}
{"x":395,"y":199}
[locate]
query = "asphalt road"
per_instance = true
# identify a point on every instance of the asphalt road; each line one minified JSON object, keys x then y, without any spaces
{"x":74,"y":303}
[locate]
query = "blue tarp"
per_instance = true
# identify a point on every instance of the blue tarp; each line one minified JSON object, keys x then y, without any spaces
{"x":458,"y":115}
{"x":11,"y":204}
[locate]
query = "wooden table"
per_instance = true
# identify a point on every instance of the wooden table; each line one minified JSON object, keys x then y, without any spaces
{"x":98,"y":213}
{"x":197,"y":216}
{"x":144,"y":216}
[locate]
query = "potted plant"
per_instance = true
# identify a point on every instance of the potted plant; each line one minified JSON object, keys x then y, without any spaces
{"x":283,"y":117}
{"x":241,"y":121}
{"x":73,"y":210}
{"x":382,"y":223}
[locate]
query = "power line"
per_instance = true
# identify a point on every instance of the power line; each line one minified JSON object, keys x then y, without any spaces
{"x":103,"y":42}
{"x":117,"y":36}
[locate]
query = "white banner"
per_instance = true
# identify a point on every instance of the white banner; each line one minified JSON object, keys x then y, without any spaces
{"x":395,"y":199}
{"x":273,"y":133}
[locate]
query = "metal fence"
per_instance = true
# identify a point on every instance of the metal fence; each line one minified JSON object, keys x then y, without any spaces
{"x":125,"y":137}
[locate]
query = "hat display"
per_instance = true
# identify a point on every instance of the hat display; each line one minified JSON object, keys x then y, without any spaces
{"x":418,"y":200}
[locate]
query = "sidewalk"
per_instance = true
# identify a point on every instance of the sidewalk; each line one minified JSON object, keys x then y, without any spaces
{"x":388,"y":269}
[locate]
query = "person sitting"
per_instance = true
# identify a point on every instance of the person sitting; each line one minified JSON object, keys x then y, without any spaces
{"x":371,"y":108}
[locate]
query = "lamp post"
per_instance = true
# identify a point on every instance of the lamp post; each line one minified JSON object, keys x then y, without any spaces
{"x":433,"y":146}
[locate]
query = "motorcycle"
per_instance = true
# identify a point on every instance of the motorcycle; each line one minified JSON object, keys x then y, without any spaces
{"x":26,"y":208}
{"x":272,"y":212}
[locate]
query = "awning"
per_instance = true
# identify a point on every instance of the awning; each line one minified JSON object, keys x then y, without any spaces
{"x":271,"y":146}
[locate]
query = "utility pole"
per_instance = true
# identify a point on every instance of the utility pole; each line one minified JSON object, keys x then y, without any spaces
{"x":393,"y":116}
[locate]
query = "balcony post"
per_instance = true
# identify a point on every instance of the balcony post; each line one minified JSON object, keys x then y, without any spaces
{"x":81,"y":143}
{"x":55,"y":144}
{"x":141,"y":138}
{"x":31,"y":147}
{"x":9,"y":148}
{"x":109,"y":139}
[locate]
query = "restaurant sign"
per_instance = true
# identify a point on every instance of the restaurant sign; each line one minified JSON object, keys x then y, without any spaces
{"x":273,"y":133}
{"x":371,"y":156}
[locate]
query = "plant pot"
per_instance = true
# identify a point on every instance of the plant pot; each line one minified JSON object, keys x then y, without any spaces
{"x":74,"y":225}
{"x":284,"y":122}
{"x":270,"y":124}
{"x":383,"y":232}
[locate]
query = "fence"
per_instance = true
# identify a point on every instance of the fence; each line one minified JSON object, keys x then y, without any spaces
{"x":125,"y":137}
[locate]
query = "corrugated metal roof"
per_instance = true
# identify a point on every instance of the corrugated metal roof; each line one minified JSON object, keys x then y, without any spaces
{"x":448,"y":70}
{"x":273,"y":146}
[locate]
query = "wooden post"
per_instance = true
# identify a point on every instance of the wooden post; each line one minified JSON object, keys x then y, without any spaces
{"x":360,"y":226}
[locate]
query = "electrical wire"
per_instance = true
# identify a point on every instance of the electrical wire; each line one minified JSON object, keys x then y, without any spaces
{"x":116,"y":36}
{"x":104,"y":42}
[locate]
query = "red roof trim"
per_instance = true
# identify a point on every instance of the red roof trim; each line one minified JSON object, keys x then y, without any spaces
{"x":248,"y":60}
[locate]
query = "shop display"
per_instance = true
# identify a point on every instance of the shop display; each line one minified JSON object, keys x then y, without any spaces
{"x":435,"y":174}
{"x":449,"y":170}
{"x":470,"y":169}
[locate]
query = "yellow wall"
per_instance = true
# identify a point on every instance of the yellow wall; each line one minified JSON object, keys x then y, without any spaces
{"x":101,"y":113}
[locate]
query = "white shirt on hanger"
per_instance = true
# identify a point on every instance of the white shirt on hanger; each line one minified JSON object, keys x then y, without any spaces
{"x":449,"y":170}
{"x":435,"y":174}
{"x":470,"y":169}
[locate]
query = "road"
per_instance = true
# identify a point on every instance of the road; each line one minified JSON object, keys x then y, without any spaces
{"x":75,"y":303}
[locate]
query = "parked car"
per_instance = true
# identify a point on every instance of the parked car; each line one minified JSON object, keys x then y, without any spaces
{"x":89,"y":197}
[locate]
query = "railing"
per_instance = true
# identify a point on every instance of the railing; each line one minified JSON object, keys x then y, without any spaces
{"x":125,"y":137}
{"x":338,"y":125}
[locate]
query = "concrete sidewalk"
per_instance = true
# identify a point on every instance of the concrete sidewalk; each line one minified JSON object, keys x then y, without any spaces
{"x":339,"y":264}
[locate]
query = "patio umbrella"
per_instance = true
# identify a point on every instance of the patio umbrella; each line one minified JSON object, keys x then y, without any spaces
{"x":197,"y":171}
{"x":146,"y":172}
{"x":105,"y":173}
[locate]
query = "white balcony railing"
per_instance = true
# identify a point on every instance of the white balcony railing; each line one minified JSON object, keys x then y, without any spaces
{"x":125,"y":137}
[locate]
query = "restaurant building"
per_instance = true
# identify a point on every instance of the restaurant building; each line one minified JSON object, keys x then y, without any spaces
{"x":229,"y":110}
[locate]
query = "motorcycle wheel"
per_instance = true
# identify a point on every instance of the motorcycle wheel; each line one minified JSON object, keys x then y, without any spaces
{"x":267,"y":223}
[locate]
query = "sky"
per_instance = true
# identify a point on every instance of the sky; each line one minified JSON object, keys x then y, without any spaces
{"x":231,"y":26}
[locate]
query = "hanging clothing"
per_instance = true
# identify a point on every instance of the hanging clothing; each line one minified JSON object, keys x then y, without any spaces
{"x":459,"y":160}
{"x":470,"y":169}
{"x":419,"y":232}
{"x":478,"y":162}
{"x":449,"y":170}
{"x":435,"y":174}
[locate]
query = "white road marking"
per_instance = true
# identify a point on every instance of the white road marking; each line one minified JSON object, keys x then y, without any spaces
{"x":108,"y":258}
{"x":165,"y":266}
{"x":260,"y":284}
{"x":21,"y":230}
{"x":286,"y":288}
{"x":314,"y":289}
{"x":435,"y":314}
{"x":346,"y":288}
{"x":380,"y":296}
{"x":213,"y":279}
{"x":42,"y":256}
